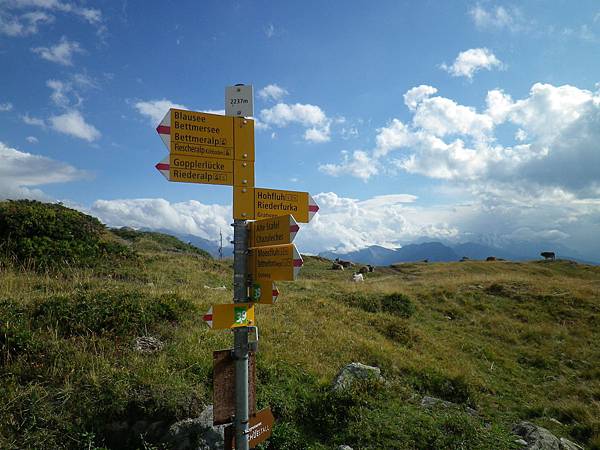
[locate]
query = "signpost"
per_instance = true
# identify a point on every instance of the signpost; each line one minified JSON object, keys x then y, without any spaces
{"x":214,"y":149}
{"x":259,"y":430}
{"x":239,"y":101}
{"x":273,"y":231}
{"x":262,"y":203}
{"x":264,"y":292}
{"x":193,"y":169}
{"x":224,"y":386}
{"x":276,"y":262}
{"x":207,"y":135}
{"x":230,"y":315}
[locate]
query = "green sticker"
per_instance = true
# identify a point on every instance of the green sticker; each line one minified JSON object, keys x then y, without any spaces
{"x":240,"y":316}
{"x":256,"y":293}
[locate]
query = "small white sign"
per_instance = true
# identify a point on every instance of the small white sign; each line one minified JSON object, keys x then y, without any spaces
{"x":239,"y":101}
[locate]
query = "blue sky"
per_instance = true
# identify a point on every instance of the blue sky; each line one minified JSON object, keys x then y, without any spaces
{"x":456,"y":121}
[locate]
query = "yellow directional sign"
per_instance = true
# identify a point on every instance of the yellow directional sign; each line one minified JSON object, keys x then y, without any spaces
{"x":262,"y":203}
{"x":207,"y":135}
{"x":264,"y":292}
{"x":193,"y":169}
{"x":230,"y":315}
{"x":273,"y":231}
{"x":277,"y":262}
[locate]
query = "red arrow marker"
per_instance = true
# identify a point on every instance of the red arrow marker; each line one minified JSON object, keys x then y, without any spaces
{"x":313,"y":208}
{"x":208,"y":317}
{"x":298,"y":262}
{"x":163,"y":167}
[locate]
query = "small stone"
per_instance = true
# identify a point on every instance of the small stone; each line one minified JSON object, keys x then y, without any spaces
{"x":566,"y":444}
{"x":355,"y":371}
{"x":522,"y":442}
{"x":538,"y":438}
{"x":147,"y":344}
{"x":196,"y":434}
{"x":344,"y":447}
{"x":430,"y":402}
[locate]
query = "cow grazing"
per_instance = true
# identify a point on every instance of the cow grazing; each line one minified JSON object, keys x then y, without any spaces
{"x":363,"y":270}
{"x":357,"y":278}
{"x":371,"y":268}
{"x":464,"y":258}
{"x":491,"y":258}
{"x":548,"y":256}
{"x":336,"y":266}
{"x":346,"y":264}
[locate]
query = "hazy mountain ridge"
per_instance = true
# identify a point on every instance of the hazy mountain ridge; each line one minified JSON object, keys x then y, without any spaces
{"x":438,"y":252}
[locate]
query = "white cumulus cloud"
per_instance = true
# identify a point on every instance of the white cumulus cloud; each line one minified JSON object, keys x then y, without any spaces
{"x":358,"y":164}
{"x":191,"y":217}
{"x":497,"y":17}
{"x":24,"y":24}
{"x":556,"y":131}
{"x":272,"y":92}
{"x":73,"y":124}
{"x":416,"y":95}
{"x":60,"y":53}
{"x":471,"y":61}
{"x":312,"y":117}
{"x":22,"y":17}
{"x":7,"y":106}
{"x":20,"y":171}
{"x":155,"y":110}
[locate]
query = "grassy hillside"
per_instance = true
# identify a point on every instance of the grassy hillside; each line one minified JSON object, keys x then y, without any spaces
{"x":512,"y":340}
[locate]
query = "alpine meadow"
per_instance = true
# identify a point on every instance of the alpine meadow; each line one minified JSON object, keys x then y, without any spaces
{"x":495,"y":343}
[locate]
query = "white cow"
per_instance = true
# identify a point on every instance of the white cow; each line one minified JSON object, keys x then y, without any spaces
{"x":358,"y":277}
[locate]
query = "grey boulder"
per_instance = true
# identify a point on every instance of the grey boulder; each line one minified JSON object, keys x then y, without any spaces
{"x":353,"y":372}
{"x":539,"y":438}
{"x":196,"y":434}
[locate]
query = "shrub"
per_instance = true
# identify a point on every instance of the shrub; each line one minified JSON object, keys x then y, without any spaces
{"x":51,"y":235}
{"x":116,"y":313}
{"x":15,"y":333}
{"x":398,"y":304}
{"x":452,"y":389}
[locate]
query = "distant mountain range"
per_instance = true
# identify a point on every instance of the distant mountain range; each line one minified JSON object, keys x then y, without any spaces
{"x":432,"y":251}
{"x":211,"y":247}
{"x":438,"y":252}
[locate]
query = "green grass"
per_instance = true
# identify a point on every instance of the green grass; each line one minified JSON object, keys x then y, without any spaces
{"x":514,"y":341}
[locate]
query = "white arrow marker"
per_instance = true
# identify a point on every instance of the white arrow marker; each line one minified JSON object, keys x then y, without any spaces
{"x":164,"y":130}
{"x":298,"y":262}
{"x":313,"y":208}
{"x":294,"y":227}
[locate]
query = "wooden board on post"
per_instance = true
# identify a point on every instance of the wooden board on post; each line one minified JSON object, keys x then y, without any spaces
{"x":260,"y":428}
{"x":224,"y":386}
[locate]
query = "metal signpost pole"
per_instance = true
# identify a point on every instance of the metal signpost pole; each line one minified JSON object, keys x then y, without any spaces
{"x":240,"y":335}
